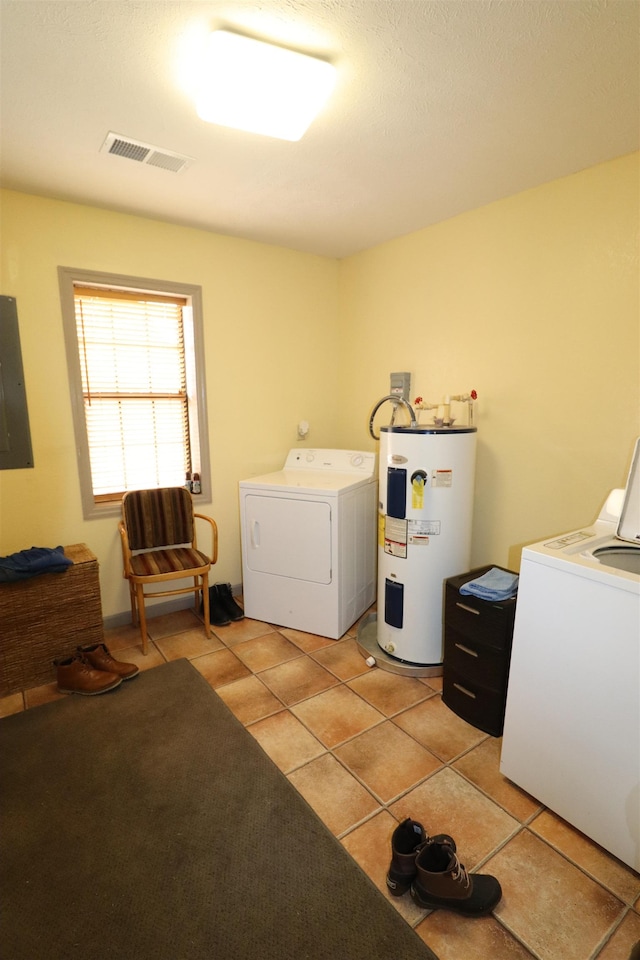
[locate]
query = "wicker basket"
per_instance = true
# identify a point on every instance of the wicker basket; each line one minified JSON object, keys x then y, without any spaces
{"x":47,"y":617}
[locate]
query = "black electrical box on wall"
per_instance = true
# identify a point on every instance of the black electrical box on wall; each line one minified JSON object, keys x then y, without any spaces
{"x":15,"y":436}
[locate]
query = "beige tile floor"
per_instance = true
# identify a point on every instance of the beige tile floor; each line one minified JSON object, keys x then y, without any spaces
{"x":367,"y":748}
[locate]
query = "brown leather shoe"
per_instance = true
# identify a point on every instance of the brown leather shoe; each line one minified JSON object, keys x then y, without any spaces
{"x":99,"y":657}
{"x":76,"y":675}
{"x":442,"y":881}
{"x":407,"y":840}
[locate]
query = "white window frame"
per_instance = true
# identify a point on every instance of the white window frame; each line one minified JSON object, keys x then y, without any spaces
{"x":69,"y":278}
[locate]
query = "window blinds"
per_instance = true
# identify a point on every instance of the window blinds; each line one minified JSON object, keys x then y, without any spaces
{"x":132,"y":361}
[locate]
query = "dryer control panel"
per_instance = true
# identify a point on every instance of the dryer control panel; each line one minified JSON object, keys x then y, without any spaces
{"x":360,"y":462}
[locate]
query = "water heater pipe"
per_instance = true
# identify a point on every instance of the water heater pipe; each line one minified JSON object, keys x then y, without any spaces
{"x":445,"y":403}
{"x":395,"y":399}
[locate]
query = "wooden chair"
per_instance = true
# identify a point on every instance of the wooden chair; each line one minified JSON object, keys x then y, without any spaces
{"x":158,"y":534}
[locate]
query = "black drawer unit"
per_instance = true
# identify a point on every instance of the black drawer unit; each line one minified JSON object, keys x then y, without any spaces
{"x":477,"y":652}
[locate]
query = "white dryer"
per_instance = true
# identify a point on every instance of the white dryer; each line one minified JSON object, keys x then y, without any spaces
{"x":309,"y":541}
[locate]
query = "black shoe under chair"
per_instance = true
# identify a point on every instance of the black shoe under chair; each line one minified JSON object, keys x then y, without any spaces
{"x":222,"y":607}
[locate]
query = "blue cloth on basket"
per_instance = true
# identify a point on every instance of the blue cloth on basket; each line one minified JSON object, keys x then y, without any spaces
{"x":495,"y":584}
{"x":33,"y":562}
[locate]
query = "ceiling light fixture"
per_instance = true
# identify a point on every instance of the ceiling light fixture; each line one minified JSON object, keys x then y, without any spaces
{"x":255,"y":86}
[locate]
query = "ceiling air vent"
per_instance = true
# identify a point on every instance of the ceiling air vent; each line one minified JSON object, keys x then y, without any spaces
{"x":144,"y":153}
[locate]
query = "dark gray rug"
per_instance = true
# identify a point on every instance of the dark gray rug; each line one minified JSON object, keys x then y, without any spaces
{"x":147,"y":823}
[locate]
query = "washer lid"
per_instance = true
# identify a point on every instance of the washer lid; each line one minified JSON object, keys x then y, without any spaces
{"x":629,"y":523}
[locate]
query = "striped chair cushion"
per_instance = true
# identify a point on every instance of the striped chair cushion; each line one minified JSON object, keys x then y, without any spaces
{"x":158,"y":518}
{"x":167,"y":561}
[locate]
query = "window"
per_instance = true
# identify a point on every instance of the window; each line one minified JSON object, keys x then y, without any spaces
{"x":134,"y":349}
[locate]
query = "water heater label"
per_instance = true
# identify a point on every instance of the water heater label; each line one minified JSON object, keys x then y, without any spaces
{"x":418,"y":536}
{"x":441,"y":478}
{"x":395,"y":537}
{"x":418,"y":480}
{"x":423,"y":529}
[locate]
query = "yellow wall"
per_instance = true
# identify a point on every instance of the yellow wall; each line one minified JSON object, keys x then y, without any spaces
{"x":270,"y":318}
{"x":532,"y":301}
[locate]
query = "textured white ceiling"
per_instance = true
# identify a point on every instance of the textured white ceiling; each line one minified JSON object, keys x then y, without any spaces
{"x":440,"y":107}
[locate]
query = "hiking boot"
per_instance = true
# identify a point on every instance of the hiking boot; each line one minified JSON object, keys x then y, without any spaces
{"x":76,"y":675}
{"x":442,"y":881}
{"x":406,"y":840}
{"x":99,"y":657}
{"x":225,"y":597}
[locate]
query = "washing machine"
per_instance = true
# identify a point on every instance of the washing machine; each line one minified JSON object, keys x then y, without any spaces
{"x":309,"y":537}
{"x":572,"y":722}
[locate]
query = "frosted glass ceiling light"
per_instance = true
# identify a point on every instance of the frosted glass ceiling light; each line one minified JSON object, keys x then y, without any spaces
{"x":257,"y":87}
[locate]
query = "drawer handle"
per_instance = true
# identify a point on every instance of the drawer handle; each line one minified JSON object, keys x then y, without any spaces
{"x":465,"y":691}
{"x":463,"y":606}
{"x":472,"y":653}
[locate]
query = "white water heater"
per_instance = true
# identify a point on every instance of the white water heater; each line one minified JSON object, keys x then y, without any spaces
{"x":425,"y":517}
